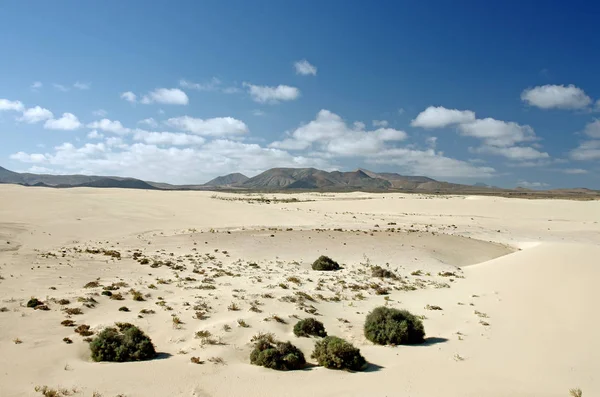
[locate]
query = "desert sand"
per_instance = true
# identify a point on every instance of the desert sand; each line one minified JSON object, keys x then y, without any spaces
{"x":518,"y":312}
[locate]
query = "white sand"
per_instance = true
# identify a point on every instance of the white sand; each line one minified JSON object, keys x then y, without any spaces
{"x":531,"y":266}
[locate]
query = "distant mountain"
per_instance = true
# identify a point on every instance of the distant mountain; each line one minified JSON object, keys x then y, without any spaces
{"x":228,"y":180}
{"x":64,"y":181}
{"x":311,"y":178}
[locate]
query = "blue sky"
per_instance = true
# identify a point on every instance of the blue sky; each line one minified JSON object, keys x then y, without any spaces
{"x":465,"y":91}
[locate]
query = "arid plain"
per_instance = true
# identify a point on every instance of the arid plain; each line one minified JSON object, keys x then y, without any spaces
{"x":514,"y":283}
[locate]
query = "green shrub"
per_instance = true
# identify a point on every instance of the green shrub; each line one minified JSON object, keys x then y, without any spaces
{"x":124,"y":343}
{"x":325,"y":263}
{"x":282,"y":356}
{"x":33,"y":302}
{"x":335,"y":353}
{"x":387,"y":326}
{"x":309,"y":327}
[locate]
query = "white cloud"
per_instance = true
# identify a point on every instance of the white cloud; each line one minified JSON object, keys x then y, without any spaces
{"x":35,"y":115}
{"x":109,"y":126}
{"x":167,"y":96}
{"x":518,"y":153}
{"x":258,"y":112}
{"x":67,"y":122}
{"x":28,"y":158}
{"x":497,"y":133}
{"x":95,"y":135}
{"x":186,"y":165}
{"x":211,"y":85}
{"x":167,"y":138}
{"x":218,"y":126}
{"x":129,"y":96}
{"x":82,"y":86}
{"x":430,"y":163}
{"x":114,"y":141}
{"x":586,"y":151}
{"x":592,"y":129}
{"x":149,"y":122}
{"x":532,"y":184}
{"x":431,"y":141}
{"x":100,"y":113}
{"x":272,"y":95}
{"x":6,"y":104}
{"x":330,"y":134}
{"x":574,"y":171}
{"x":556,"y":96}
{"x":36,"y":85}
{"x":60,"y":87}
{"x":439,"y":117}
{"x":380,"y":123}
{"x":304,"y":68}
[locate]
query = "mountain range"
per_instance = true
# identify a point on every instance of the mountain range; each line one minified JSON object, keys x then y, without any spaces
{"x":281,"y":179}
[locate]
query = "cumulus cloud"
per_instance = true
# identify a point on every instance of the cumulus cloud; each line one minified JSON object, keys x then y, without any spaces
{"x":586,"y":151}
{"x":440,"y":117}
{"x":167,"y":96}
{"x":149,"y":122}
{"x":186,"y":164}
{"x":167,"y":138}
{"x":218,"y":126}
{"x":330,"y":133}
{"x":109,"y":126}
{"x":94,"y":135}
{"x":211,"y":85}
{"x":519,"y":153}
{"x":497,"y":133}
{"x":556,"y":97}
{"x":592,"y":129}
{"x":430,"y":163}
{"x":304,"y":68}
{"x":6,"y":104}
{"x":272,"y":95}
{"x":35,"y":115}
{"x":129,"y":96}
{"x":67,"y":122}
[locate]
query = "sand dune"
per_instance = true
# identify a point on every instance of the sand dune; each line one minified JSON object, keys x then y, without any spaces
{"x":517,"y":319}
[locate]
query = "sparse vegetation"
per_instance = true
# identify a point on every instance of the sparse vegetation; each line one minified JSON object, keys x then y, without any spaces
{"x":325,"y":263}
{"x":123,"y":309}
{"x":124,"y":343}
{"x":378,"y":271}
{"x":387,"y":326}
{"x":34,"y":302}
{"x":73,"y":311}
{"x":282,"y":356}
{"x":309,"y":327}
{"x":575,"y":392}
{"x":335,"y":353}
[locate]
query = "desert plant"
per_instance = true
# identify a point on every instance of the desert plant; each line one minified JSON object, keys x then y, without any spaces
{"x":84,"y":330}
{"x":387,"y":326}
{"x":576,"y":392}
{"x":325,"y":263}
{"x":123,"y":309}
{"x":72,"y":311}
{"x":282,"y":356}
{"x":68,"y":323}
{"x":309,"y":327}
{"x":378,"y":271}
{"x":33,"y":302}
{"x":125,"y":343}
{"x":335,"y":353}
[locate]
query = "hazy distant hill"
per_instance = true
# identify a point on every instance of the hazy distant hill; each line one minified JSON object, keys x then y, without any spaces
{"x":228,"y":180}
{"x":44,"y":180}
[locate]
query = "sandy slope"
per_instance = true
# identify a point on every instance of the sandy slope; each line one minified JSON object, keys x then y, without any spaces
{"x":528,"y":267}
